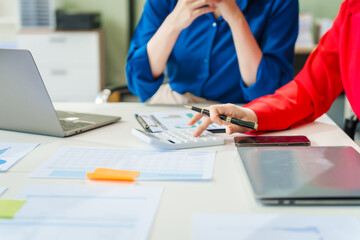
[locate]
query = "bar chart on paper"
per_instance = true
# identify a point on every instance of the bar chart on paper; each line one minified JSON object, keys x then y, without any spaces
{"x":75,"y":162}
{"x":10,"y":153}
{"x":178,"y":121}
{"x":2,"y":151}
{"x":174,"y":120}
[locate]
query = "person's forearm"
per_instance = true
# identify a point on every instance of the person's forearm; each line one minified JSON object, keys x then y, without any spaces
{"x":248,"y":51}
{"x":160,"y":46}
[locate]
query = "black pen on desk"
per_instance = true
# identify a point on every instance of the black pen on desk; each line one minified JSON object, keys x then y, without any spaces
{"x":243,"y":123}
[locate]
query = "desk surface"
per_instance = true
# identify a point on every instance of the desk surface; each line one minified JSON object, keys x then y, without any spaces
{"x":228,"y":192}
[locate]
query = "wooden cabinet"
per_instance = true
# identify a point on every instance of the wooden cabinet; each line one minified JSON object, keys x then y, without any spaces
{"x":71,"y":63}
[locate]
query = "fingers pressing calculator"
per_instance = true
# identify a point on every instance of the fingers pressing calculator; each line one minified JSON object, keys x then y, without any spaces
{"x":173,"y":139}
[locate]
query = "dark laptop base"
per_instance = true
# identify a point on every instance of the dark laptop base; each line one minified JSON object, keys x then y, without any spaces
{"x":312,"y":202}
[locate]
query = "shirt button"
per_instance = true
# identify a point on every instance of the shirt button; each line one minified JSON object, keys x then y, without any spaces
{"x":214,"y":24}
{"x":206,"y":60}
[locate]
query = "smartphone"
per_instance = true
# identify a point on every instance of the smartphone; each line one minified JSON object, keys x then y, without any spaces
{"x":265,"y":141}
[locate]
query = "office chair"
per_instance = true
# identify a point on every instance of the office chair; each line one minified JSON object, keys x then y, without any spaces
{"x":350,"y":126}
{"x":113,"y":93}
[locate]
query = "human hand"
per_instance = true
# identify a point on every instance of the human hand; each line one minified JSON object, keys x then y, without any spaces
{"x":186,"y":11}
{"x":230,"y":110}
{"x":229,"y":10}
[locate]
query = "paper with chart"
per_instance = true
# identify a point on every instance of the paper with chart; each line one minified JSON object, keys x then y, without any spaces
{"x":175,"y":120}
{"x":75,"y":162}
{"x":2,"y":190}
{"x":75,"y":212}
{"x":274,"y":227}
{"x":10,"y":153}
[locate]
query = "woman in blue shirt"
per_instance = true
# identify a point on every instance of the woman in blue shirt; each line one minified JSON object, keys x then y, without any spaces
{"x":221,"y":50}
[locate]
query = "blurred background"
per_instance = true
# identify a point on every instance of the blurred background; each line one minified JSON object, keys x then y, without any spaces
{"x":78,"y":43}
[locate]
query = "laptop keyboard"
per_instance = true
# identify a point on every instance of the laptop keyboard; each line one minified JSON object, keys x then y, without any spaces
{"x":68,"y":125}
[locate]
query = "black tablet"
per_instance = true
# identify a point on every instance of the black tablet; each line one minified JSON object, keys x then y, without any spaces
{"x":258,"y":141}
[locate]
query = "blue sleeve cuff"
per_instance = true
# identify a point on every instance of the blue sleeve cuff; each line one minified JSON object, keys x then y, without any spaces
{"x":139,"y":75}
{"x":269,"y":78}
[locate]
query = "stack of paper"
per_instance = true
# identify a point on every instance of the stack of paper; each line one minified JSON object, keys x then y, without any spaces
{"x":75,"y":212}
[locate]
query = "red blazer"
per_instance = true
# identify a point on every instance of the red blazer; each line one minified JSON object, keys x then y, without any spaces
{"x":334,"y":66}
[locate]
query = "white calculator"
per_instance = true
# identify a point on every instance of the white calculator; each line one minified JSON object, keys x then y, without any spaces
{"x":173,"y":139}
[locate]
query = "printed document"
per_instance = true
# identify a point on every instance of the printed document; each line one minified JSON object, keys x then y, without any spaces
{"x":275,"y":227}
{"x":76,"y":212}
{"x":10,"y":153}
{"x":75,"y":162}
{"x":2,"y":190}
{"x":176,"y":120}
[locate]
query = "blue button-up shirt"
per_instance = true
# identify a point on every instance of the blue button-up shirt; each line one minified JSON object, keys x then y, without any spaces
{"x":204,"y":60}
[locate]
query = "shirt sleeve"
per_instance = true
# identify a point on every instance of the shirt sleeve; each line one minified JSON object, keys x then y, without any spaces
{"x":138,"y":71}
{"x":277,"y":45}
{"x":311,"y":93}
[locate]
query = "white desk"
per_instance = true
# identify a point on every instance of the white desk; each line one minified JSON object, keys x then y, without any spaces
{"x":228,"y":192}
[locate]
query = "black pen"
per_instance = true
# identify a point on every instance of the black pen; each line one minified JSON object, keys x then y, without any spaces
{"x":243,"y":123}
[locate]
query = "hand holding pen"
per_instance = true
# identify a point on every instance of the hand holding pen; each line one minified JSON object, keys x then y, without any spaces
{"x":225,"y":114}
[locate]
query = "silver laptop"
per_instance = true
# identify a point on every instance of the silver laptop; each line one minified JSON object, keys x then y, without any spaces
{"x":25,"y":105}
{"x":303,"y":175}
